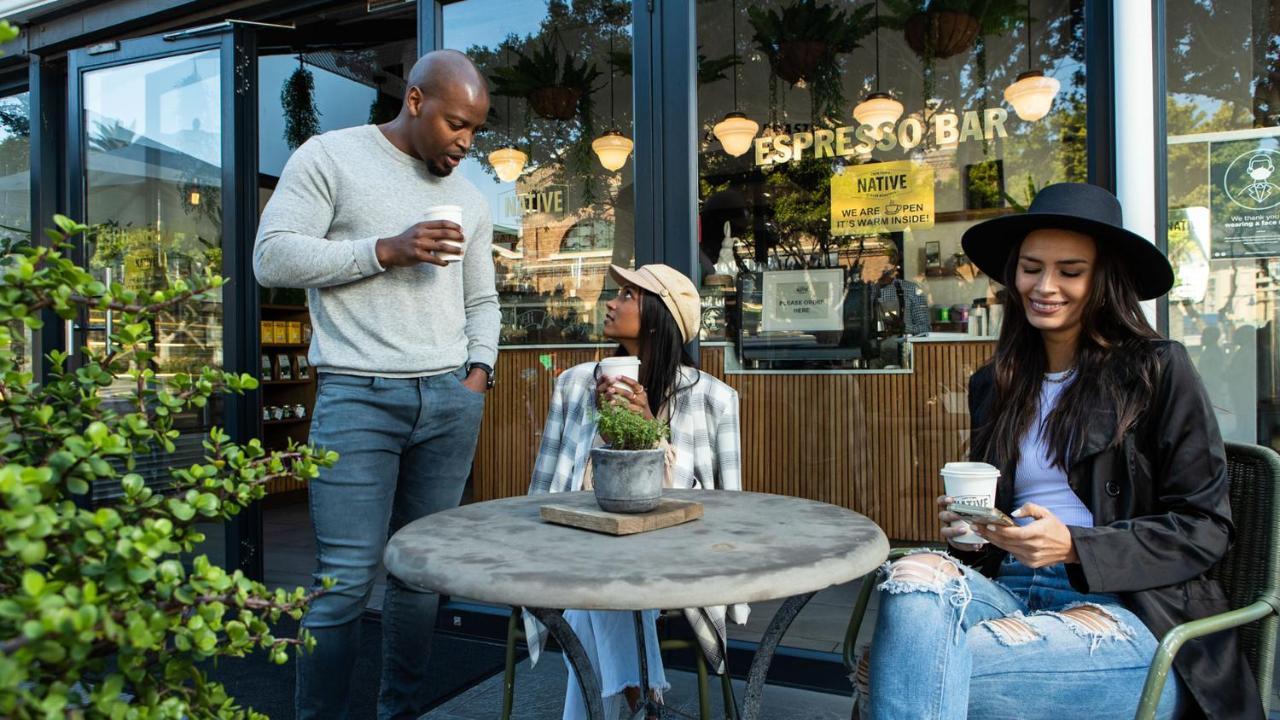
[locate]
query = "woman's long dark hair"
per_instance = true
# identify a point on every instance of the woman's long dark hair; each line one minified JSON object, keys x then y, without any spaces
{"x":1115,"y":366}
{"x":661,"y":351}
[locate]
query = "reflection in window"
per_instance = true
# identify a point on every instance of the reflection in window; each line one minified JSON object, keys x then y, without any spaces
{"x":153,"y":189}
{"x":1223,"y":119}
{"x":15,"y":194}
{"x":877,"y":143}
{"x":587,"y":236}
{"x":563,"y":208}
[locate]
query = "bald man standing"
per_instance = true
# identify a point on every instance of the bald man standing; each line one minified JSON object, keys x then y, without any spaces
{"x":404,"y":344}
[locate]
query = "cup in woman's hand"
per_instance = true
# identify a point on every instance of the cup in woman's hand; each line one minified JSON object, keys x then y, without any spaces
{"x":970,"y":483}
{"x":621,"y":367}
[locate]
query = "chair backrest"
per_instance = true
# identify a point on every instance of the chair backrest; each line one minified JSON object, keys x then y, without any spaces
{"x":1251,"y":569}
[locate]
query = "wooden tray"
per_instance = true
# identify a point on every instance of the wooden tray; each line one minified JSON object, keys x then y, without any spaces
{"x":669,"y":512}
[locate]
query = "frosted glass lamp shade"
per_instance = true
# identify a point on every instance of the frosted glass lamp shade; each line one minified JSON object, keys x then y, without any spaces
{"x":508,"y":163}
{"x":876,"y":110}
{"x":1032,"y":95}
{"x":612,"y":148}
{"x":735,"y":132}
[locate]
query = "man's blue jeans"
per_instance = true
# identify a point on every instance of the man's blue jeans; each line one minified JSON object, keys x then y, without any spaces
{"x":948,"y":646}
{"x":405,"y":447}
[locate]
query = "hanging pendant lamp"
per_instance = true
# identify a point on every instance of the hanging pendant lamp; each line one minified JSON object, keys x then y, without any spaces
{"x":736,"y":131}
{"x":612,"y":147}
{"x":1032,"y":94}
{"x":878,"y":108}
{"x":508,"y":161}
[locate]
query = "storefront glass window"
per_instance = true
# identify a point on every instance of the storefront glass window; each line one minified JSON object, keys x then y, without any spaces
{"x":345,"y":86}
{"x":560,"y":187}
{"x":1224,"y":204}
{"x":15,"y":192}
{"x":867,"y":138}
{"x":153,"y":191}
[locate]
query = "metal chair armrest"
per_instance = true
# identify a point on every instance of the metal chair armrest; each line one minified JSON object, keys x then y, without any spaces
{"x":1174,"y":639}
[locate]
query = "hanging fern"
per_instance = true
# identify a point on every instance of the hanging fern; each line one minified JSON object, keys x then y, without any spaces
{"x":384,"y":108}
{"x":298,"y":98}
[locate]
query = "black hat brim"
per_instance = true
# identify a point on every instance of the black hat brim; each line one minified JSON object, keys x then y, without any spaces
{"x":989,"y":243}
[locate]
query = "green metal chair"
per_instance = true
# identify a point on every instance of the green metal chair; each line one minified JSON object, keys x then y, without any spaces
{"x":515,"y":634}
{"x":1250,"y":575}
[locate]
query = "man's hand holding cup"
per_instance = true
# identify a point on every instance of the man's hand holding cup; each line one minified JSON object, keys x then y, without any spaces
{"x":436,"y":240}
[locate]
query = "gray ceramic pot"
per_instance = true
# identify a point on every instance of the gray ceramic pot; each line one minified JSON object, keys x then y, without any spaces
{"x":627,"y":481}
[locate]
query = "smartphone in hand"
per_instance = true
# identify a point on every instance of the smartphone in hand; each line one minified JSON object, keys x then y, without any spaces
{"x":981,"y":515}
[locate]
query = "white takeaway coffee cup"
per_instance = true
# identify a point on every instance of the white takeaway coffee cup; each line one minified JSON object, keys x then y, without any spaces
{"x":970,"y":483}
{"x":621,"y":367}
{"x":452,"y":213}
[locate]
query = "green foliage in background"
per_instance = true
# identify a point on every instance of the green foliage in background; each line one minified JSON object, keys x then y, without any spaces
{"x":625,"y":429}
{"x":835,"y":31}
{"x":106,"y":610}
{"x":298,"y":97}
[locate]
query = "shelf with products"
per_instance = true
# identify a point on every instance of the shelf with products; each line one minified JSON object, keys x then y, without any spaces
{"x":288,"y":383}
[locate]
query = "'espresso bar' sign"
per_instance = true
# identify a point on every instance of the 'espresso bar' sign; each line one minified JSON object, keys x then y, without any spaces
{"x":948,"y":129}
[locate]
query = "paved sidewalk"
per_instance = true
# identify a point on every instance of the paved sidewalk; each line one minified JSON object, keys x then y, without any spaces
{"x":540,"y":691}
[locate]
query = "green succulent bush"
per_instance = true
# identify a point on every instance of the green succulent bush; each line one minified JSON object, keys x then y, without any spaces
{"x":625,"y":429}
{"x":100,"y":617}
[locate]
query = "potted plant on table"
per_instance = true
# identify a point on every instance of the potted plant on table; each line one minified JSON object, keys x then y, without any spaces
{"x":628,"y":473}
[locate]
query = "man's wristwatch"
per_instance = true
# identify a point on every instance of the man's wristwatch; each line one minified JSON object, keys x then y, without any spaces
{"x":488,"y":373}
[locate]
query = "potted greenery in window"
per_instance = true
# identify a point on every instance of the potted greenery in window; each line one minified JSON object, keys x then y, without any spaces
{"x":298,"y":100}
{"x":556,"y":87}
{"x":628,"y":473}
{"x":803,"y":38}
{"x":937,"y":29}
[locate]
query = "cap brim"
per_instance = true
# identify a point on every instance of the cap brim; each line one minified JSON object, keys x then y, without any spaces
{"x":623,"y":276}
{"x":989,"y":243}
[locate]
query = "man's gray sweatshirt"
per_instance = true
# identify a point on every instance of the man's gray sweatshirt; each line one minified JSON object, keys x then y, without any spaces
{"x":338,"y":194}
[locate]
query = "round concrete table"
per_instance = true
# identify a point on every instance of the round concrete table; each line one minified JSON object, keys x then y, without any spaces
{"x":747,"y":547}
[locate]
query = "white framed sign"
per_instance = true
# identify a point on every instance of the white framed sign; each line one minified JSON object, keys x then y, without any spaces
{"x":806,"y":300}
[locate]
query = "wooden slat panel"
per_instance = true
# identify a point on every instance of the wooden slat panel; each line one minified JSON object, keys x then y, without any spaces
{"x":871,"y":442}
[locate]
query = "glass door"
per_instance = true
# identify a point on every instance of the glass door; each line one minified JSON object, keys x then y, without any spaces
{"x":157,"y":158}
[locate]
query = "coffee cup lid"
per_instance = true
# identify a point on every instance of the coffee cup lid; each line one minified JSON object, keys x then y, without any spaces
{"x":970,"y":468}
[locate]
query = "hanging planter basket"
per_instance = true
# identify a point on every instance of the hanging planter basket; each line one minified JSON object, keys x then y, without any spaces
{"x":555,"y":102}
{"x":938,"y":34}
{"x":799,"y":59}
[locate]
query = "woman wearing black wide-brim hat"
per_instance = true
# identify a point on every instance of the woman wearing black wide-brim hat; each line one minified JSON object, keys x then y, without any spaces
{"x":1111,"y":464}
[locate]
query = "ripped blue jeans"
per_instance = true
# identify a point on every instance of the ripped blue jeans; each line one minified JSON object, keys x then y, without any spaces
{"x":1024,"y":646}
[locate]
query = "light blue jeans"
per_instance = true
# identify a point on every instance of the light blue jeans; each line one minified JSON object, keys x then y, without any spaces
{"x":406,"y":447}
{"x":968,"y":646}
{"x":609,"y":637}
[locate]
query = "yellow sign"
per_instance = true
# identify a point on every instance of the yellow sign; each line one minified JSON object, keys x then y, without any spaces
{"x":882,"y":197}
{"x":139,"y":269}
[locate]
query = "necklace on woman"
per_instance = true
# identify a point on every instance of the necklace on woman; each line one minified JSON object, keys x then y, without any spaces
{"x":1060,"y":377}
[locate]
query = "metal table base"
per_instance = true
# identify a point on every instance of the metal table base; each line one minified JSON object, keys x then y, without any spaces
{"x":587,"y":680}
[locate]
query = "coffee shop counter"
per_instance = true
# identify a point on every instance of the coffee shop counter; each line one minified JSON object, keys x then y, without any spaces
{"x":869,"y":440}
